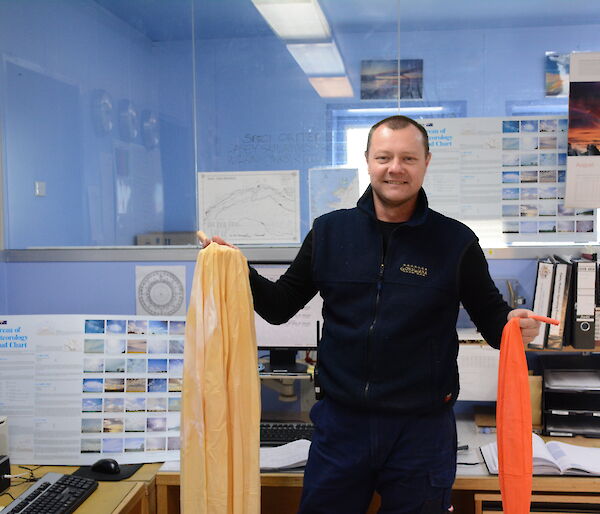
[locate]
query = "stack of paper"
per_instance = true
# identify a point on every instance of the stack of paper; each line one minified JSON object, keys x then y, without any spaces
{"x":286,"y":456}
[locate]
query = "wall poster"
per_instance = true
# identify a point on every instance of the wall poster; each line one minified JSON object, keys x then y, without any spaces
{"x":505,"y":178}
{"x":76,"y":388}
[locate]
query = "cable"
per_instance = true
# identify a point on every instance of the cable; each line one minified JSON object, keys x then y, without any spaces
{"x":308,"y":359}
{"x":13,"y":498}
{"x":13,"y":476}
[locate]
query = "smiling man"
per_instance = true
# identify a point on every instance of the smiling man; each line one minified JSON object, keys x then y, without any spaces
{"x":397,"y":156}
{"x":392,"y":273}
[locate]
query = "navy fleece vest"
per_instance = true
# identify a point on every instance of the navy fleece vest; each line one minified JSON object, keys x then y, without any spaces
{"x":389,"y":337}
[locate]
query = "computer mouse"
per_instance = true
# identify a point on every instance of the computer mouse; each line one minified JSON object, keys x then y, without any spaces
{"x":106,"y":466}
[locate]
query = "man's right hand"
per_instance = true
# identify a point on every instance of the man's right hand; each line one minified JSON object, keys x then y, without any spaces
{"x":205,"y":240}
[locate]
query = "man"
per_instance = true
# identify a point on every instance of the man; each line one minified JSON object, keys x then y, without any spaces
{"x":392,"y":273}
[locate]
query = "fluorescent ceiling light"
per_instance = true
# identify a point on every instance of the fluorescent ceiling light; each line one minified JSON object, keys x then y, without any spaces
{"x":396,"y":110}
{"x":294,"y":19}
{"x":318,"y":58}
{"x":332,"y":87}
{"x":540,"y":109}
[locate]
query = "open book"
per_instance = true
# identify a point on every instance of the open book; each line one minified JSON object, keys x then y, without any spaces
{"x":552,"y":458}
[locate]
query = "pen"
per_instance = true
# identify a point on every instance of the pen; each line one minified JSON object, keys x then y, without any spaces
{"x":544,"y":319}
{"x":462,"y":447}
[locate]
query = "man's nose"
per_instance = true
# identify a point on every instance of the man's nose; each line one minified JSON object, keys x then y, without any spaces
{"x":395,"y":164}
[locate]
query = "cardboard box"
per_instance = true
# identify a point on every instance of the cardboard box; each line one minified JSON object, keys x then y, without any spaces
{"x":166,"y":238}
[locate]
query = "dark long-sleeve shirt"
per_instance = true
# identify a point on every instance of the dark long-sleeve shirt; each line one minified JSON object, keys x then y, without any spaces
{"x":278,"y":302}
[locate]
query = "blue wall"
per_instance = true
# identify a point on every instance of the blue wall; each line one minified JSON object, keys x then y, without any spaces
{"x":255,"y":110}
{"x":102,"y":188}
{"x":76,"y":287}
{"x":109,"y":287}
{"x":3,"y":289}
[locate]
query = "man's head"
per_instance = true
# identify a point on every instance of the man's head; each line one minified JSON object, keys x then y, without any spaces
{"x":396,"y":123}
{"x":397,"y":158}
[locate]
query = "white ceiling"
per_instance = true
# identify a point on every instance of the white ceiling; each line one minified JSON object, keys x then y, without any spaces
{"x":164,"y":20}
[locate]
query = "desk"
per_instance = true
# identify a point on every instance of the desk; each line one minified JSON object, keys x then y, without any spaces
{"x":280,"y":492}
{"x":135,"y":495}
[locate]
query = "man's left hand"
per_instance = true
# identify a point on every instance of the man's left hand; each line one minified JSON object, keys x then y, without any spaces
{"x":529,"y":327}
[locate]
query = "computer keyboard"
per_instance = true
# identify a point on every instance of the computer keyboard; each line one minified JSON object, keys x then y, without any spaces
{"x":276,"y":433}
{"x":54,"y":493}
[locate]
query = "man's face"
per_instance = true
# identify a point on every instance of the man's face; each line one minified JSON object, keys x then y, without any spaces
{"x":397,"y":164}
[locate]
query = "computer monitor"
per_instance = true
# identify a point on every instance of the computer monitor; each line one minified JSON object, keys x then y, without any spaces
{"x":284,"y":341}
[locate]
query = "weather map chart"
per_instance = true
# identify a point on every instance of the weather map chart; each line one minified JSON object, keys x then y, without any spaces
{"x":250,"y":207}
{"x":330,"y":189}
{"x":79,"y":387}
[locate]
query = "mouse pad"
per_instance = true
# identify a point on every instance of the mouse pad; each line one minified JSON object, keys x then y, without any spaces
{"x":126,"y":471}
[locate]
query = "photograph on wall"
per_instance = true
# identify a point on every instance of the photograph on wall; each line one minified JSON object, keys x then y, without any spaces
{"x":388,"y":79}
{"x":557,"y":74}
{"x":584,"y":119}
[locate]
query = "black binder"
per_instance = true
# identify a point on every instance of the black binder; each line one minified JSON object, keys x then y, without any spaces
{"x":584,"y":302}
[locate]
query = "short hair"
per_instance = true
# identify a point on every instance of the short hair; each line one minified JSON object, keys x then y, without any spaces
{"x":398,"y":122}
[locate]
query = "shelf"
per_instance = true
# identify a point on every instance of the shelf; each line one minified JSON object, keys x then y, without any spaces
{"x":280,"y":376}
{"x":564,"y":349}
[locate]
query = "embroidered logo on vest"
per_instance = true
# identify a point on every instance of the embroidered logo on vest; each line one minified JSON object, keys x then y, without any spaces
{"x":413,"y":269}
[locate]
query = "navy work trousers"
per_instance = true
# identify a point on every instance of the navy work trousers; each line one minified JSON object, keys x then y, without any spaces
{"x":410,"y":460}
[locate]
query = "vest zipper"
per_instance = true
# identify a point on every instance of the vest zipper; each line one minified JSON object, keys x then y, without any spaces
{"x":372,"y":326}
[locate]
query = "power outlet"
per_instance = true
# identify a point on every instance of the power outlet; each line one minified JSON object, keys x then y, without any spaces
{"x":39,"y":188}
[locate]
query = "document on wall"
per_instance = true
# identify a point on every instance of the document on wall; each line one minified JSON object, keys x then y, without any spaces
{"x":478,"y":370}
{"x":505,"y":178}
{"x":583,"y":161}
{"x":250,"y":207}
{"x":331,"y":188}
{"x":300,"y":330}
{"x":76,"y":388}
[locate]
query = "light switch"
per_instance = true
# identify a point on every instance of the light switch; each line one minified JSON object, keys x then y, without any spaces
{"x":40,"y":188}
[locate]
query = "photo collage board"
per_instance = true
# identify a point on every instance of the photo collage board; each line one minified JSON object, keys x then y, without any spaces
{"x":77,"y":388}
{"x":534,"y":163}
{"x":506,"y":178}
{"x":132,"y":383}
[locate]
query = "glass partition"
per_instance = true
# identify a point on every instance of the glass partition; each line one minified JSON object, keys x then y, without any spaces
{"x":126,"y":122}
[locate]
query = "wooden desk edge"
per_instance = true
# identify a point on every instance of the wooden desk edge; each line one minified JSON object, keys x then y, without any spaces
{"x":472,"y":483}
{"x":578,"y":484}
{"x":134,"y":501}
{"x":172,"y":478}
